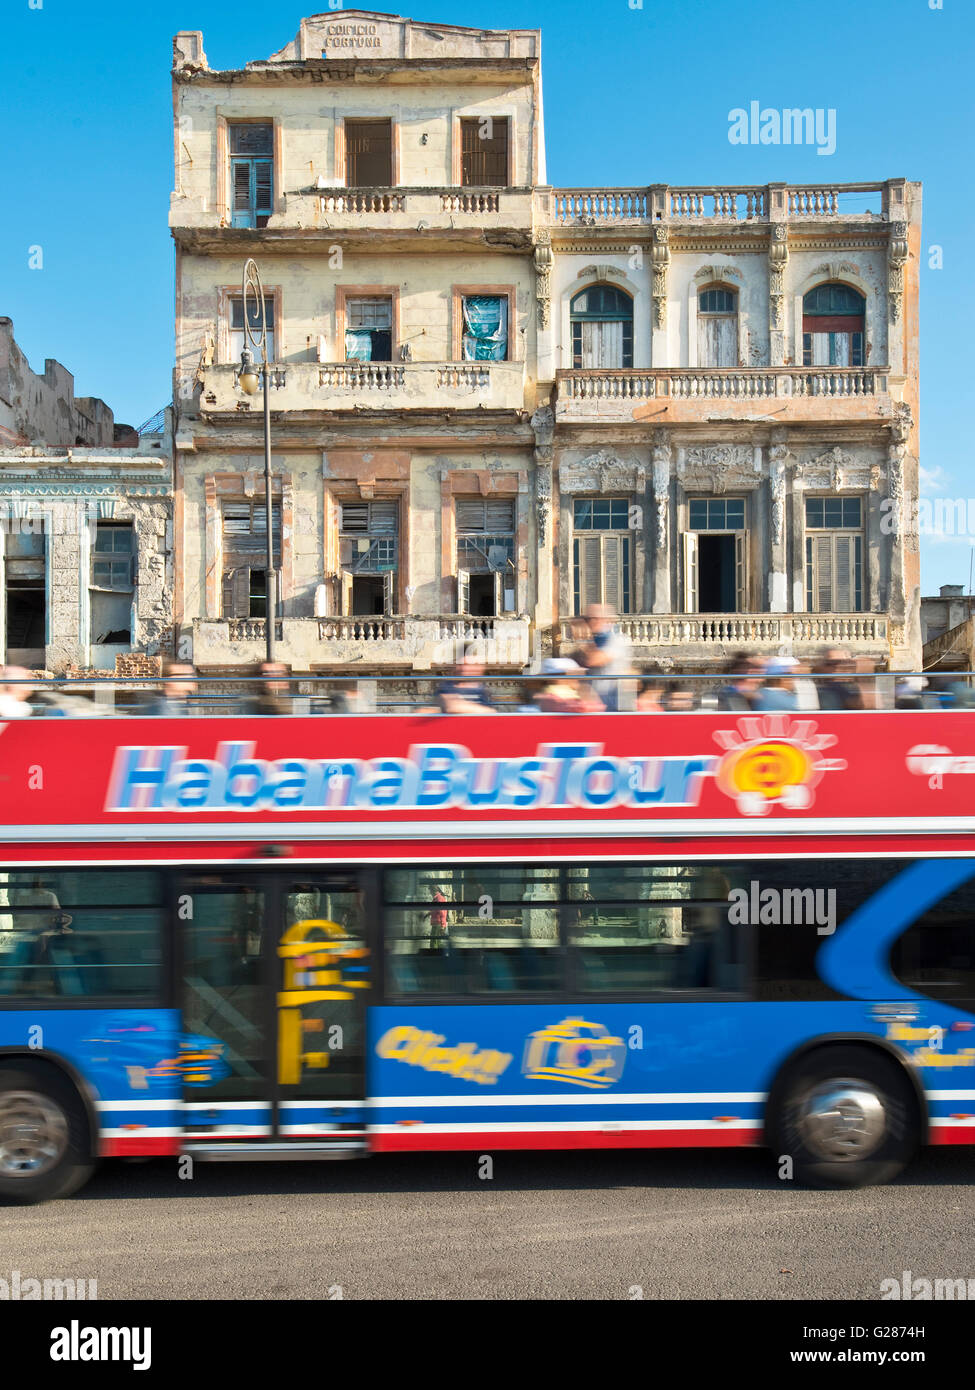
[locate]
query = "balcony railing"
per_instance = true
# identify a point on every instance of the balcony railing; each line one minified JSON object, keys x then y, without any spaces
{"x":723,"y":203}
{"x":752,"y":631}
{"x":420,"y":643}
{"x":586,"y":389}
{"x":311,"y":386}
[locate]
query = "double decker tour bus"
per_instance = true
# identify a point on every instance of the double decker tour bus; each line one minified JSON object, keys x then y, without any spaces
{"x":284,"y":938}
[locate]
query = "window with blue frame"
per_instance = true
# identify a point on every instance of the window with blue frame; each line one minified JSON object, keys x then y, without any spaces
{"x":601,"y":320}
{"x":716,"y":514}
{"x":251,"y":173}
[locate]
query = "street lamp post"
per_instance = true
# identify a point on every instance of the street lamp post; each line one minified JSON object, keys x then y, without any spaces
{"x":249,"y":379}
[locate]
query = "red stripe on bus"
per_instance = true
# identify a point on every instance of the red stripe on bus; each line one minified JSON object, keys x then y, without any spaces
{"x":951,"y":1134}
{"x":417,"y":1141}
{"x":144,"y":1145}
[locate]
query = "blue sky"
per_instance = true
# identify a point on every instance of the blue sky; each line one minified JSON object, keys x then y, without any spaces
{"x":632,"y":96}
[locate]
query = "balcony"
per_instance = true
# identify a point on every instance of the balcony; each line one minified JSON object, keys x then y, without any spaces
{"x":721,"y":205}
{"x":441,"y":216}
{"x":353,"y":644}
{"x":616,"y":395}
{"x":713,"y":637}
{"x":323,"y":387}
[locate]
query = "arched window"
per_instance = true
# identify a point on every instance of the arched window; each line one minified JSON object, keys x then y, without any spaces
{"x":832,"y":327}
{"x":602,"y":327}
{"x":717,"y":327}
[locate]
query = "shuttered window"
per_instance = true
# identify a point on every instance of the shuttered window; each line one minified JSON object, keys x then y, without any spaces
{"x":833,"y":323}
{"x":251,"y":174}
{"x":369,"y":154}
{"x":834,"y":557}
{"x":485,"y":534}
{"x":484,"y":152}
{"x":368,"y":536}
{"x":601,"y":571}
{"x":717,"y":328}
{"x":245,"y":557}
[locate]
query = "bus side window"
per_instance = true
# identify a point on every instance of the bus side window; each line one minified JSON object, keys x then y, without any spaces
{"x":936,"y":955}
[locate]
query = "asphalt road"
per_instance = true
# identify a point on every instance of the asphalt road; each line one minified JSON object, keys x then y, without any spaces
{"x":676,"y":1225}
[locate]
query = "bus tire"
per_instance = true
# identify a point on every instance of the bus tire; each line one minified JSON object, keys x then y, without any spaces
{"x":846,"y":1116}
{"x":45,"y":1144}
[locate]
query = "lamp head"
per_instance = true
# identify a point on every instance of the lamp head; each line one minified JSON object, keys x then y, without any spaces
{"x":249,"y":378}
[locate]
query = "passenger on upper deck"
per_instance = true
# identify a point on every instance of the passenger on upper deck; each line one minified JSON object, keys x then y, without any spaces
{"x":179,"y":685}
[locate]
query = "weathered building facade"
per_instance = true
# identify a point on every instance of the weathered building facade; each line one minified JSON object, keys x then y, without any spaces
{"x":496,"y":401}
{"x":85,"y":525}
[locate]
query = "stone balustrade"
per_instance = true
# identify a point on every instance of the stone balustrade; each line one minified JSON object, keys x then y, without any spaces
{"x":661,"y":203}
{"x":311,"y":386}
{"x":400,"y":641}
{"x":586,"y":392}
{"x":652,"y":634}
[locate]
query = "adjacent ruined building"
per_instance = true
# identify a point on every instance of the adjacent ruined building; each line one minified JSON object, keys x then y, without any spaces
{"x":85,"y":526}
{"x":496,"y":401}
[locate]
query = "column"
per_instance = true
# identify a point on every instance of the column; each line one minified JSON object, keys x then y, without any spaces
{"x":662,"y":469}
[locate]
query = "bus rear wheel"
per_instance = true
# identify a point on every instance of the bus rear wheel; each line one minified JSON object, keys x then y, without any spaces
{"x":45,"y":1149}
{"x":847,"y":1116}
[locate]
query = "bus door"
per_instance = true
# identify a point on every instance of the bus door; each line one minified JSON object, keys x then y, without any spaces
{"x":274,"y":979}
{"x":322,"y":984}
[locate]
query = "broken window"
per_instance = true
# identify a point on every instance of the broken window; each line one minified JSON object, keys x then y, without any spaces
{"x":484,"y":152}
{"x":251,"y":173}
{"x":833,"y":327}
{"x":369,"y":154}
{"x":717,"y":327}
{"x":485,"y":327}
{"x":369,"y":328}
{"x":25,"y":591}
{"x":834,"y":554}
{"x":238,"y":338}
{"x":601,"y":319}
{"x":244,"y":571}
{"x":368,"y":555}
{"x":601,"y":556}
{"x":112,"y":586}
{"x":485,"y":555}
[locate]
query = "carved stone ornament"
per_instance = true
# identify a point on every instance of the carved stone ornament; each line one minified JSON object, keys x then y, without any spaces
{"x":661,"y":264}
{"x":662,"y":455}
{"x":602,"y":473}
{"x":896,"y":260}
{"x":833,"y":466}
{"x":720,"y":456}
{"x":778,"y":468}
{"x":544,"y":261}
{"x":778,"y":260}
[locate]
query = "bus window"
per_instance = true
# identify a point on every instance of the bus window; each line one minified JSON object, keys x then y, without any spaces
{"x":476,"y":930}
{"x":655,"y":928}
{"x":80,"y":932}
{"x":936,"y":956}
{"x":805,"y":902}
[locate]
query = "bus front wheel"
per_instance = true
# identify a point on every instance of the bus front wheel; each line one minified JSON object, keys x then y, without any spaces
{"x":846,"y":1116}
{"x":45,"y":1149}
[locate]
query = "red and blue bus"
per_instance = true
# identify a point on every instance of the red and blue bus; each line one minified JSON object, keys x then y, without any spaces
{"x":277,"y":938}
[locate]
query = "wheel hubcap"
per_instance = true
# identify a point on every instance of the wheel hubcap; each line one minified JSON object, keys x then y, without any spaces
{"x":33,"y":1134}
{"x":842,"y":1120}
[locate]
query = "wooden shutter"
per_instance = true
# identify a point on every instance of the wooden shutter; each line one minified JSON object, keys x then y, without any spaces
{"x":389,"y":592}
{"x":690,"y":572}
{"x":843,"y":582}
{"x":820,"y":581}
{"x":590,"y":578}
{"x":463,"y":591}
{"x":345,"y":579}
{"x":237,"y":592}
{"x":741,"y":576}
{"x":499,"y":515}
{"x":612,"y":567}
